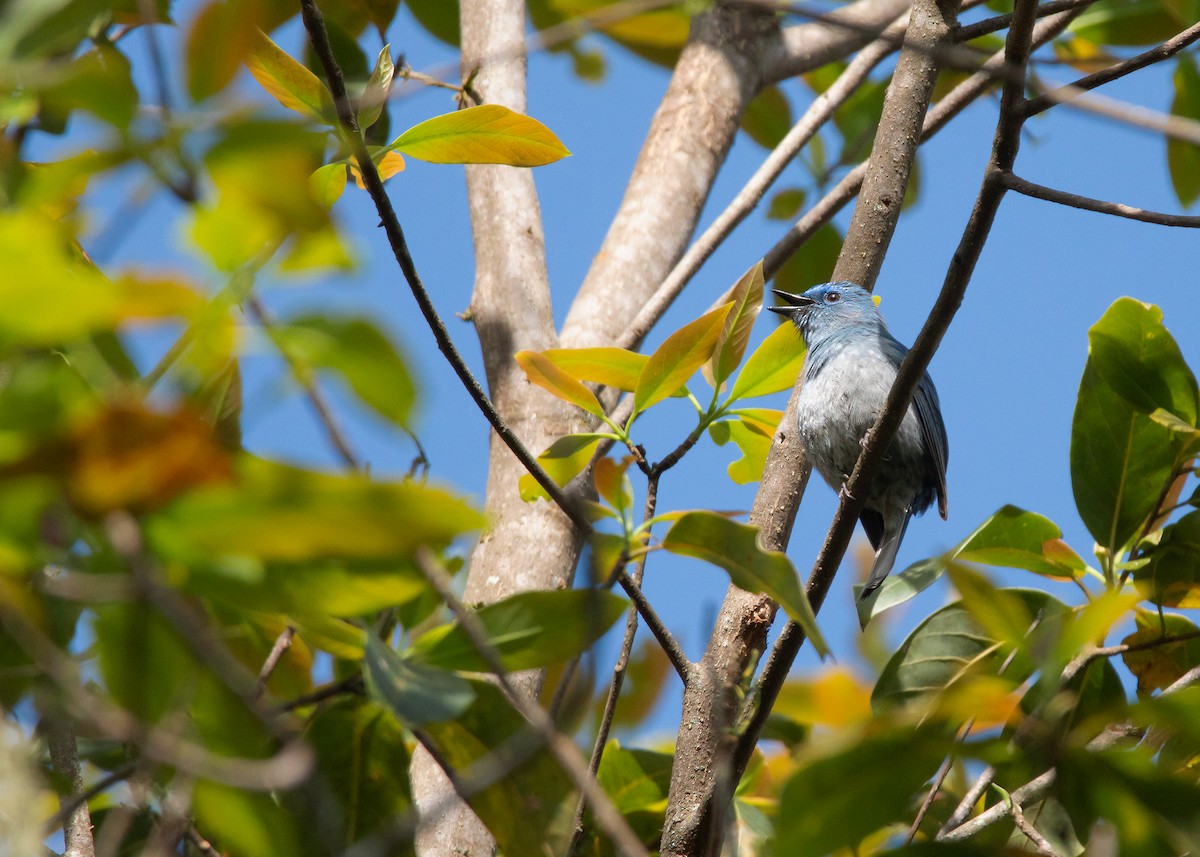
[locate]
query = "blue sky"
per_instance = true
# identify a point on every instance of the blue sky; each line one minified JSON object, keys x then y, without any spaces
{"x":1007,"y":372}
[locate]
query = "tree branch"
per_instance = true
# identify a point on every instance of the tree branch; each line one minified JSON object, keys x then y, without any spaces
{"x":64,"y":756}
{"x":1117,"y":209}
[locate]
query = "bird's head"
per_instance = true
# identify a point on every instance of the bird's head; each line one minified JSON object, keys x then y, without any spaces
{"x":829,"y":308}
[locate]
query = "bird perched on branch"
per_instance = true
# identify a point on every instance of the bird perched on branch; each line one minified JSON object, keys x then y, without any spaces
{"x":851,"y":363}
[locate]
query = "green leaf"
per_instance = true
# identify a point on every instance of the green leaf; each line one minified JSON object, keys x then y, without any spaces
{"x":768,"y":117}
{"x":221,"y":36}
{"x":734,"y":548}
{"x":328,"y":183}
{"x":547,"y":375}
{"x":277,"y":513}
{"x":612,"y":367}
{"x":1133,"y":22}
{"x":747,"y":298}
{"x":362,"y":755}
{"x":289,"y":81}
{"x":357,"y":351}
{"x":678,"y":358}
{"x":1171,"y":577}
{"x":812,"y":263}
{"x":773,"y":366}
{"x":416,"y":693}
{"x":244,"y":822}
{"x":899,"y":588}
{"x":375,"y":95}
{"x":753,"y":432}
{"x":816,"y":817}
{"x":563,"y":460}
{"x":487,"y":134}
{"x":438,"y":17}
{"x":953,"y":644}
{"x":786,"y":204}
{"x":1121,"y":462}
{"x":634,"y":779}
{"x":529,"y":630}
{"x":1134,"y":354}
{"x":1183,"y":158}
{"x":98,"y":81}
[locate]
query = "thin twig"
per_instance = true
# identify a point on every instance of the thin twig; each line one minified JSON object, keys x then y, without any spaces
{"x":282,"y":643}
{"x":607,"y":816}
{"x":67,"y":807}
{"x":1040,"y":842}
{"x":316,"y":396}
{"x":1157,"y":54}
{"x":1062,"y":197}
{"x":1135,"y":115}
{"x":967,"y":32}
{"x":351,"y":685}
{"x":314,"y":24}
{"x":967,"y":805}
{"x":618,"y":676}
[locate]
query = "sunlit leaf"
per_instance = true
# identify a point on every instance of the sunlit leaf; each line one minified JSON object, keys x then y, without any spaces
{"x":221,"y":36}
{"x":747,"y":300}
{"x":358,"y":352}
{"x":387,"y":164}
{"x":528,"y":630}
{"x":289,"y":81}
{"x":375,"y":94}
{"x":487,"y":134}
{"x":753,"y":432}
{"x":773,"y":366}
{"x":734,"y":548}
{"x":833,"y":698}
{"x":244,"y":822}
{"x":612,"y":367}
{"x":328,"y":183}
{"x":416,"y":693}
{"x":547,"y":375}
{"x":563,"y":460}
{"x":1171,"y":578}
{"x":678,"y":358}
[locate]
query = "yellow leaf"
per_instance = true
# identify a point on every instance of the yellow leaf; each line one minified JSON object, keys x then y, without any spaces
{"x":487,"y":134}
{"x":289,"y":81}
{"x":390,"y":164}
{"x":550,"y":377}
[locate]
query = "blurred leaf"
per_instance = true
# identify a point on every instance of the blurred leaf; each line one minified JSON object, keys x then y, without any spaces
{"x":1121,"y":462}
{"x":375,"y":94}
{"x":645,"y":682}
{"x":734,"y":548}
{"x":244,"y":823}
{"x":387,"y":164}
{"x":563,"y":460}
{"x":753,"y":432}
{"x":1134,"y":354}
{"x":529,"y":630}
{"x":952,"y":644}
{"x":768,"y":117}
{"x":129,"y":457}
{"x":1171,"y":578}
{"x":773,"y":366}
{"x":277,"y":513}
{"x":438,"y":17}
{"x":547,"y":375}
{"x":487,"y":134}
{"x":678,"y":358}
{"x":1133,"y":22}
{"x":1183,"y":158}
{"x":657,"y":35}
{"x":634,"y":779}
{"x":812,"y":263}
{"x":221,"y":37}
{"x":362,"y":754}
{"x":288,"y":81}
{"x":99,"y":81}
{"x":328,"y":183}
{"x":747,"y":298}
{"x":786,"y":204}
{"x":612,"y":484}
{"x":832,"y":698}
{"x":612,"y":367}
{"x":858,"y":119}
{"x":416,"y":693}
{"x":359,"y":352}
{"x":1159,"y":666}
{"x":519,"y":808}
{"x":815,"y":818}
{"x":1083,"y":56}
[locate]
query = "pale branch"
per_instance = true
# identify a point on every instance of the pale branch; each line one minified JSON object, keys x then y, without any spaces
{"x":314,"y":23}
{"x":76,"y":821}
{"x":282,"y":643}
{"x":618,"y":675}
{"x":316,"y":396}
{"x":967,"y":805}
{"x":696,"y":812}
{"x":1134,"y":115}
{"x":831,"y":35}
{"x":816,"y":115}
{"x":938,"y":117}
{"x":68,"y":805}
{"x":1004,"y":149}
{"x":1157,"y":54}
{"x":1042,"y":845}
{"x":1117,"y":209}
{"x":608,"y":817}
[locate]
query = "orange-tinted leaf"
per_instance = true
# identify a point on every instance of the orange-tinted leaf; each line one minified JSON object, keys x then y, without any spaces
{"x":612,"y":367}
{"x":678,"y":358}
{"x":611,"y":482}
{"x":289,"y":81}
{"x":220,"y":39}
{"x":543,"y":372}
{"x":747,"y":300}
{"x":487,"y":134}
{"x":388,"y":165}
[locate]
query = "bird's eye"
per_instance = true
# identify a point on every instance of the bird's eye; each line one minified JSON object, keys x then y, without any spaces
{"x":832,"y":298}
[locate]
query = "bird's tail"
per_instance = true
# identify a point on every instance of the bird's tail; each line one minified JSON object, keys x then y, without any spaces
{"x":885,"y":556}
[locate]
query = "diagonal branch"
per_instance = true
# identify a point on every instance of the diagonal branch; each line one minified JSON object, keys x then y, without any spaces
{"x":1117,"y":209}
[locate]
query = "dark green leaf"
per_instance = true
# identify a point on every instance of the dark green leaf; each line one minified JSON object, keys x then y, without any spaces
{"x":438,"y":17}
{"x":529,"y":630}
{"x":734,"y":547}
{"x":1158,"y":666}
{"x":768,"y":117}
{"x":417,"y":694}
{"x":1183,"y":157}
{"x":1133,"y":22}
{"x":786,"y":204}
{"x":813,"y":263}
{"x":1171,"y":578}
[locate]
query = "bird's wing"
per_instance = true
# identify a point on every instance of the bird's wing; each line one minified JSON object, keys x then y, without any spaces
{"x":929,"y":417}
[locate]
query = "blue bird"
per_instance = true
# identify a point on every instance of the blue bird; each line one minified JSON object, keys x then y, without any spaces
{"x":851,"y":363}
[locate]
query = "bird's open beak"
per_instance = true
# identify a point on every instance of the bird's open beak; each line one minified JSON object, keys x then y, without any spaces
{"x":794,"y":302}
